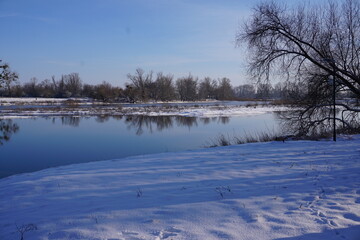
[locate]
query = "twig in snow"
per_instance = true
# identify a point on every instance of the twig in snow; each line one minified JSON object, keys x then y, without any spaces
{"x":25,"y":228}
{"x":139,"y":192}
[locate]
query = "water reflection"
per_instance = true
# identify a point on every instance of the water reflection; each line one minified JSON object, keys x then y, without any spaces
{"x":159,"y":123}
{"x":90,"y":138}
{"x":7,"y":129}
{"x":150,"y":124}
{"x":186,"y":121}
{"x":105,"y":118}
{"x":70,"y":121}
{"x":317,"y":121}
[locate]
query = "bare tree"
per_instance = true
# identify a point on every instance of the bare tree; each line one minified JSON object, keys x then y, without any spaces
{"x":46,"y":88}
{"x":73,"y":84}
{"x":225,"y":90}
{"x":307,"y":44}
{"x":7,"y":77}
{"x":141,"y":84}
{"x":164,"y":88}
{"x":186,"y":88}
{"x":31,"y":88}
{"x":106,"y":92}
{"x":207,"y":88}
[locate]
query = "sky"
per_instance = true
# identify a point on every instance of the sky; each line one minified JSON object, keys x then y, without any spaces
{"x":104,"y":40}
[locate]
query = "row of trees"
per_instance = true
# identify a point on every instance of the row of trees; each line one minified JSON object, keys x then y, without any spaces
{"x":143,"y":86}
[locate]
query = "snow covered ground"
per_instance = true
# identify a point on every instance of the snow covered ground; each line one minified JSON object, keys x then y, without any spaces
{"x":29,"y":107}
{"x":211,"y":111}
{"x":32,"y":100}
{"x":284,"y":191}
{"x":206,"y":111}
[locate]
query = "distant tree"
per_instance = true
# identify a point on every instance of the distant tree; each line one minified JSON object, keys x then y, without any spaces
{"x":164,"y":89}
{"x":224,"y":89}
{"x":17,"y":91}
{"x":130,"y":93}
{"x":7,"y":77}
{"x":186,"y":88}
{"x":31,"y":88}
{"x":245,"y":91}
{"x":73,"y":84}
{"x":61,"y":91}
{"x":88,"y":91}
{"x":46,"y":89}
{"x":263,"y":90}
{"x":141,"y":84}
{"x":277,"y":91}
{"x":106,"y":92}
{"x":207,"y":88}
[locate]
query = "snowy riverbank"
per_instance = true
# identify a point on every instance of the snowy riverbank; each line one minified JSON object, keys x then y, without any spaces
{"x":20,"y":108}
{"x":287,"y":191}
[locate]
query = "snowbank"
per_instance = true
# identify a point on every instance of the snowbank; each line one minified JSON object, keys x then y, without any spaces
{"x":186,"y":111}
{"x":213,"y":111}
{"x":39,"y":101}
{"x":287,"y":191}
{"x":34,"y":107}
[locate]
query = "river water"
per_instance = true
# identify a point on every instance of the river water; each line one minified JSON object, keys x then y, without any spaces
{"x":32,"y":144}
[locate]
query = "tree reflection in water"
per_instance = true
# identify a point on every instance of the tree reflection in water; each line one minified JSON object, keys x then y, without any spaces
{"x":70,"y":121}
{"x":7,"y":128}
{"x":159,"y":123}
{"x":151,"y":123}
{"x":142,"y":123}
{"x":318,"y":123}
{"x":224,"y":120}
{"x":186,"y":121}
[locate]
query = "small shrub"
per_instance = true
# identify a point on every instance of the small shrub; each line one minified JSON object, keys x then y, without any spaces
{"x":222,"y":140}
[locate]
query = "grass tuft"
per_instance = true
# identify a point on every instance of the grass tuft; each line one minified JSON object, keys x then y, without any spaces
{"x":223,"y":140}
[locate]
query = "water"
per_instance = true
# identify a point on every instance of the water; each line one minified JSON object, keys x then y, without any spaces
{"x":39,"y":143}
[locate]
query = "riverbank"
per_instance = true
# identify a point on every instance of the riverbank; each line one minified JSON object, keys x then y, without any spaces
{"x":276,"y":190}
{"x":23,"y":107}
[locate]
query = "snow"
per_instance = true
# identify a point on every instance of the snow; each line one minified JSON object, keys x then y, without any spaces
{"x":214,"y":111}
{"x":34,"y":107}
{"x":38,"y":101}
{"x":277,"y":190}
{"x":146,"y":109}
{"x":14,"y":117}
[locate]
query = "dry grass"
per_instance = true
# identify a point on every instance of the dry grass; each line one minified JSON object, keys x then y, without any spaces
{"x":226,"y":140}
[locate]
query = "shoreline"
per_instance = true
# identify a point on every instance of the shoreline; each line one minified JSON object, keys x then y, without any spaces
{"x":261,"y":191}
{"x":188,"y":109}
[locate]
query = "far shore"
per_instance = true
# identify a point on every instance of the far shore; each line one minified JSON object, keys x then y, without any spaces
{"x":35,"y":107}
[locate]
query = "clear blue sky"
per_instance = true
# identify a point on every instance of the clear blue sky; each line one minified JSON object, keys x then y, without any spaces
{"x":104,"y":40}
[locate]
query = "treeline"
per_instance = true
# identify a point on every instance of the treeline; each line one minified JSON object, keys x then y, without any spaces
{"x":148,"y":86}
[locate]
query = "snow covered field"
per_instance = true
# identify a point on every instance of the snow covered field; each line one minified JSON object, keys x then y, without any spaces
{"x":283,"y":191}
